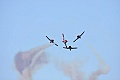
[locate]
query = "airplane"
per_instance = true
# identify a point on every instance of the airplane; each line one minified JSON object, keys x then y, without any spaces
{"x":70,"y":47}
{"x":79,"y":36}
{"x":51,"y":40}
{"x":64,"y":41}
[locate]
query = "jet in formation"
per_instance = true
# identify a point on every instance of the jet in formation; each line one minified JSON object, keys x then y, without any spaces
{"x":51,"y":40}
{"x":65,"y":41}
{"x":70,"y":47}
{"x":79,"y":36}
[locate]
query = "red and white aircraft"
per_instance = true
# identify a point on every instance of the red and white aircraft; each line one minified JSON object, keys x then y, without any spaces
{"x":51,"y":40}
{"x":79,"y":36}
{"x":64,"y":41}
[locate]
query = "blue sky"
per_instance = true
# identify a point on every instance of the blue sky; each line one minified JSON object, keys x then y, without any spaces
{"x":24,"y":25}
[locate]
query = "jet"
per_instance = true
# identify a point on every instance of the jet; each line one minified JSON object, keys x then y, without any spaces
{"x":64,"y":41}
{"x":70,"y":47}
{"x":51,"y":40}
{"x":79,"y":36}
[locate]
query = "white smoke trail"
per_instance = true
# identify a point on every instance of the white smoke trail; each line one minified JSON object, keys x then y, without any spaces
{"x":73,"y":71}
{"x":27,"y":61}
{"x":104,"y":68}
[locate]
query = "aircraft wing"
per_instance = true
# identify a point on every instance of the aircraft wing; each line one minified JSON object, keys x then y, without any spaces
{"x":70,"y":48}
{"x":56,"y":44}
{"x":74,"y":48}
{"x":75,"y":39}
{"x":48,"y":38}
{"x":63,"y":36}
{"x":65,"y":47}
{"x":82,"y":33}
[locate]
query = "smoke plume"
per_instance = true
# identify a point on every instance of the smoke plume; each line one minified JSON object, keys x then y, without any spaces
{"x":26,"y":62}
{"x":73,"y":70}
{"x":104,"y":68}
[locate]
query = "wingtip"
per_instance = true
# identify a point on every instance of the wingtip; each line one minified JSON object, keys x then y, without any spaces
{"x":56,"y":44}
{"x":74,"y":40}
